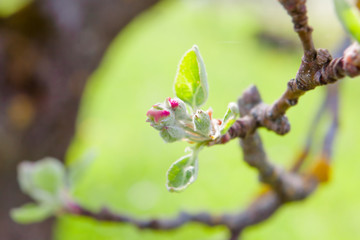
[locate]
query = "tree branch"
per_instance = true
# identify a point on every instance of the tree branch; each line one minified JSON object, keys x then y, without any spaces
{"x":287,"y":185}
{"x":261,"y":208}
{"x":272,"y":117}
{"x":264,"y":206}
{"x":333,"y":105}
{"x":297,"y":11}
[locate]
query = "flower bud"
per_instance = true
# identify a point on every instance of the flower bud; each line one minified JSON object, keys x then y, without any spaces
{"x":172,"y":103}
{"x":178,"y":107}
{"x":159,"y":116}
{"x":172,"y":133}
{"x":233,"y":108}
{"x":352,"y":59}
{"x":202,"y":122}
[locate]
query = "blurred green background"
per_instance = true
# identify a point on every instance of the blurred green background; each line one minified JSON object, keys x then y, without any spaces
{"x":242,"y":43}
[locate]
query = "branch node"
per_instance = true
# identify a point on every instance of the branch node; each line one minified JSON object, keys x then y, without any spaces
{"x":323,"y":56}
{"x":352,"y":60}
{"x":292,"y":102}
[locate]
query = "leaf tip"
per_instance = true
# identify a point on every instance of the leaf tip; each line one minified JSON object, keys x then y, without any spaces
{"x":195,"y":48}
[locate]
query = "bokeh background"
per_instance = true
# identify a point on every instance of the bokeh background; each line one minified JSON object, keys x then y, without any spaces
{"x":242,"y":43}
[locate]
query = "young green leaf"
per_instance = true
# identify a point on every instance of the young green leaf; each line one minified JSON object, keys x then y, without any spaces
{"x":230,"y":117}
{"x":182,"y":173}
{"x":202,"y":122}
{"x":349,"y":17}
{"x":31,"y":213}
{"x":191,"y":81}
{"x":172,"y":133}
{"x":42,"y":180}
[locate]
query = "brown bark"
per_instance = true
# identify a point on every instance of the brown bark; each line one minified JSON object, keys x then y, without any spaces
{"x":47,"y":52}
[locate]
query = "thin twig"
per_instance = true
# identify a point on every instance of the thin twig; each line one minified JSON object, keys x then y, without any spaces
{"x":297,"y":11}
{"x":272,"y":117}
{"x":259,"y":210}
{"x":310,"y":137}
{"x":333,"y":105}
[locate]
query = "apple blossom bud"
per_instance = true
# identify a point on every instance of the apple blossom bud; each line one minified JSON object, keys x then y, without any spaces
{"x":352,"y":60}
{"x":233,"y":108}
{"x":172,"y":103}
{"x":159,"y":116}
{"x":172,"y":133}
{"x":202,"y":122}
{"x":178,"y":107}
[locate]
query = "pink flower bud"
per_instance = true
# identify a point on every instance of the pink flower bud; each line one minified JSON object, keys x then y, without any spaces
{"x":178,"y":107}
{"x":173,"y":103}
{"x":352,"y":60}
{"x":157,"y":115}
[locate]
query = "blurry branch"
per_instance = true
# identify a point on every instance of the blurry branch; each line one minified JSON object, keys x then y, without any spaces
{"x":310,"y":137}
{"x":332,"y":100}
{"x":330,"y":103}
{"x":261,"y":208}
{"x":287,"y":185}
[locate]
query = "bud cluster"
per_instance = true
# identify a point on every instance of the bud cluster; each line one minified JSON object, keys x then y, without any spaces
{"x":174,"y":122}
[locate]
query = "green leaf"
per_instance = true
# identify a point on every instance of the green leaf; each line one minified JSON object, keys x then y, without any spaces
{"x":172,"y":133}
{"x":349,"y":17}
{"x":227,"y":125}
{"x":202,"y":122}
{"x":31,"y":213}
{"x":191,"y":81}
{"x":42,"y":180}
{"x":230,"y":117}
{"x":182,"y":173}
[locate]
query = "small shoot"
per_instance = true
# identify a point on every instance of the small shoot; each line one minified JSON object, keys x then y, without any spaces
{"x":230,"y":117}
{"x":49,"y":184}
{"x":175,"y":123}
{"x":44,"y":181}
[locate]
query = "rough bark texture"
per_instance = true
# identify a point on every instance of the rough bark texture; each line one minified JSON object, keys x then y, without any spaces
{"x":47,"y":52}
